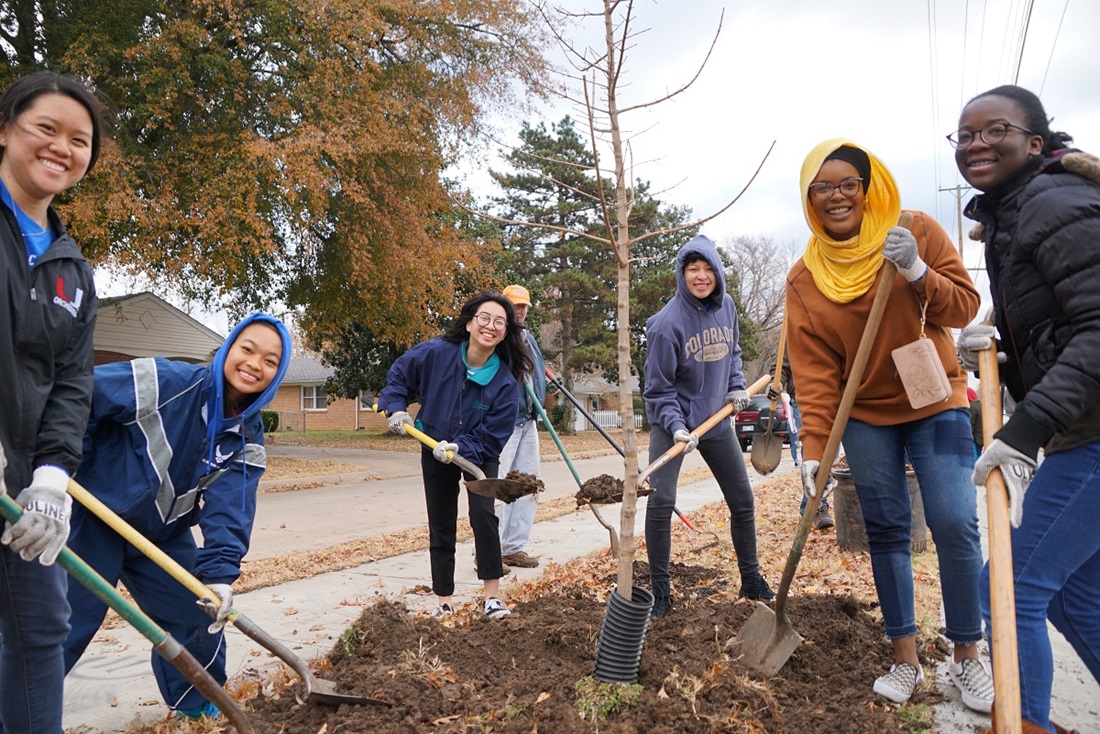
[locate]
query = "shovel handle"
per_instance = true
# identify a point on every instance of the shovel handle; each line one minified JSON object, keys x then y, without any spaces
{"x":431,"y":443}
{"x":885,"y":284}
{"x":678,"y":448}
{"x":561,"y":388}
{"x":1006,"y":672}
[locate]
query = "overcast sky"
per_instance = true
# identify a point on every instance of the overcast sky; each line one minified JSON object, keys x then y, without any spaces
{"x":891,"y":75}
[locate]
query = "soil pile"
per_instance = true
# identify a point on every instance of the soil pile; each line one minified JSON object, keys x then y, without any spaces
{"x":468,"y":673}
{"x":604,"y":490}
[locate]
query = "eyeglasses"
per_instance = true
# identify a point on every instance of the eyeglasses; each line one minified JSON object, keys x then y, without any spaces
{"x":849,"y":187}
{"x":484,"y":319}
{"x":991,"y":134}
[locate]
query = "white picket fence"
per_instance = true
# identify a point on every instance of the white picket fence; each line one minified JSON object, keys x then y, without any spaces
{"x":606,"y":419}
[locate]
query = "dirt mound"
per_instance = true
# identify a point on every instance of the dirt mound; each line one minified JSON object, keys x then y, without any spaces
{"x":469,"y":673}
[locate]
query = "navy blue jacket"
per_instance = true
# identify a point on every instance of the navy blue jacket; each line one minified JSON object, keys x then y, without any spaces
{"x":161,"y":453}
{"x":693,"y":359}
{"x":480,"y":419}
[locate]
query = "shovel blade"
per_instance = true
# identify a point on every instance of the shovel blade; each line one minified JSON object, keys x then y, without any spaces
{"x":324,"y":691}
{"x":765,"y":643}
{"x":505,"y":490}
{"x":766,"y":453}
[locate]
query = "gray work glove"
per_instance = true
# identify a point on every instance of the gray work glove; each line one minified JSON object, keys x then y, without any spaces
{"x":739,"y":398}
{"x":901,"y":249}
{"x":1017,"y":469}
{"x":441,"y":449}
{"x":809,"y":480}
{"x":685,"y":436}
{"x":44,"y":527}
{"x":774,"y":393}
{"x":220,"y":611}
{"x":397,"y":421}
{"x":974,"y":339}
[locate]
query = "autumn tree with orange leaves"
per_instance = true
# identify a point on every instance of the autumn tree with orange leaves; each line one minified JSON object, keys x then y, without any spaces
{"x":284,"y":152}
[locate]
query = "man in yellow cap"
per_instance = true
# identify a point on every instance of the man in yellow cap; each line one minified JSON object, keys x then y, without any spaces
{"x":521,"y":453}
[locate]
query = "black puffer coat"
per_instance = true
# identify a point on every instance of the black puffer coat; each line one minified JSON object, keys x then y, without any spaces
{"x":1042,"y":235}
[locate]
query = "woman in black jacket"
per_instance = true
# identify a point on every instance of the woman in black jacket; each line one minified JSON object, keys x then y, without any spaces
{"x":49,"y":139}
{"x":1040,"y":210}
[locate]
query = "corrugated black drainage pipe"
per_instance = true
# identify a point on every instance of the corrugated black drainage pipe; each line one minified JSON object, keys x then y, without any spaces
{"x":619,"y":651}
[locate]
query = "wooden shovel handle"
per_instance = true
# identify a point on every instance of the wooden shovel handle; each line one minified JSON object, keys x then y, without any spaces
{"x":1006,"y":671}
{"x":832,"y":445}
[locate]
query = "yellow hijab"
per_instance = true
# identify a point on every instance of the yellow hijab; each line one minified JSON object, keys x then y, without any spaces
{"x":844,"y":271}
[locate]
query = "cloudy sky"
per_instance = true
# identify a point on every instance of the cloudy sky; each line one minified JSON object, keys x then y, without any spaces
{"x":892,"y":76}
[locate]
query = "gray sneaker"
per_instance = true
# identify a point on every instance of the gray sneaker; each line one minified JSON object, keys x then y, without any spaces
{"x":495,"y":608}
{"x":974,"y":683}
{"x":898,"y":685}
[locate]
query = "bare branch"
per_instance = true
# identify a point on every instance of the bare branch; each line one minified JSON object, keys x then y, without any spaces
{"x":532,"y":225}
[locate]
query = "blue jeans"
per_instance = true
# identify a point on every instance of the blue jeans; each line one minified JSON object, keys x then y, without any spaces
{"x":940,"y":448}
{"x":794,"y":419}
{"x":34,"y":621}
{"x":1056,"y":564}
{"x":726,"y":461}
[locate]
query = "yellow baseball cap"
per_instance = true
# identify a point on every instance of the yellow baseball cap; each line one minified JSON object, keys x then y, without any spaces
{"x":518,"y":295}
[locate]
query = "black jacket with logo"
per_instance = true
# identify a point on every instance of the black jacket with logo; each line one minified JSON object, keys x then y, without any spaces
{"x":46,"y":354}
{"x":1042,"y":235}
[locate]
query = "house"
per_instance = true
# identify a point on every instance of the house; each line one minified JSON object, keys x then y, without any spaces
{"x":601,"y":399}
{"x":145,"y":325}
{"x":303,"y":406}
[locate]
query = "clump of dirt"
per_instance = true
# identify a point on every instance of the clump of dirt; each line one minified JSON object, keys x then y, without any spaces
{"x":518,"y":674}
{"x":604,"y":490}
{"x":522,"y":485}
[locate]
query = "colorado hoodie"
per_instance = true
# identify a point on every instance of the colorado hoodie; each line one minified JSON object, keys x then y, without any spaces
{"x":693,"y":358}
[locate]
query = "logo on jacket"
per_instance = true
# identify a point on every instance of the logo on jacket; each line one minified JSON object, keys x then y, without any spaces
{"x":478,"y":405}
{"x":219,"y":457}
{"x":72,"y":305}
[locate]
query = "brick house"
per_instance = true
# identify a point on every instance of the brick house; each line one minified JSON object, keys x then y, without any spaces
{"x":303,"y":405}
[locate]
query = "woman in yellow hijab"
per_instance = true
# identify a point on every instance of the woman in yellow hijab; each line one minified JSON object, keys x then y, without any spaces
{"x":851,"y":203}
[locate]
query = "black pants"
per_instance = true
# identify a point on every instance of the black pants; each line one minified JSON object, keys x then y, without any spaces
{"x":726,"y":461}
{"x":441,"y":490}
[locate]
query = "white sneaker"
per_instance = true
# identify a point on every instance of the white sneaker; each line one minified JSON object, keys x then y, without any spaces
{"x":443,"y":610}
{"x":898,"y":685}
{"x":495,"y":608}
{"x":974,"y":683}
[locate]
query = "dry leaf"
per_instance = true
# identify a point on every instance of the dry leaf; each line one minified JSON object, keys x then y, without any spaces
{"x":542,"y":697}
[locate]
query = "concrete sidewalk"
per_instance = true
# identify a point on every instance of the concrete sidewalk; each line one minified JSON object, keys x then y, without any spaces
{"x":113,"y":685}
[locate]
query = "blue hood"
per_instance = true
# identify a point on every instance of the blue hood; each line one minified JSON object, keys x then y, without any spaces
{"x":707,"y":250}
{"x":216,"y":406}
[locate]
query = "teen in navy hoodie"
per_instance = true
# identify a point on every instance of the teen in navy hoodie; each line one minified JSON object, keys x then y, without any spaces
{"x":692,"y":369}
{"x":171,"y":445}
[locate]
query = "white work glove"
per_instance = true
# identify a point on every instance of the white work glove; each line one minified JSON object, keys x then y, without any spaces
{"x":441,"y":449}
{"x":972,"y":340}
{"x":901,"y":249}
{"x":685,"y":436}
{"x":219,"y":612}
{"x":739,"y":398}
{"x":809,"y":480}
{"x":1017,"y":470}
{"x":397,"y":421}
{"x":774,"y":393}
{"x":44,"y":527}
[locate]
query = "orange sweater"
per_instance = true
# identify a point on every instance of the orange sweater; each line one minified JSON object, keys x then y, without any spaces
{"x":823,"y":336}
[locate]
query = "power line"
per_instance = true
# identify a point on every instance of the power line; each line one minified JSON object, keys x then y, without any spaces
{"x":1023,"y":41}
{"x":1053,"y":45}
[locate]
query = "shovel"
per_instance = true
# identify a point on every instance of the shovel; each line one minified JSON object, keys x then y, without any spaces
{"x":678,"y":448}
{"x":679,"y":513}
{"x":317,"y":689}
{"x":576,"y":475}
{"x":505,"y":490}
{"x":768,"y":639}
{"x":1006,"y":672}
{"x":165,"y":645}
{"x":767,"y":449}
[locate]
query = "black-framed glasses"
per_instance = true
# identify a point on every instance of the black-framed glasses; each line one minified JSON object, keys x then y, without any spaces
{"x":991,"y":134}
{"x":849,"y":187}
{"x":484,"y":319}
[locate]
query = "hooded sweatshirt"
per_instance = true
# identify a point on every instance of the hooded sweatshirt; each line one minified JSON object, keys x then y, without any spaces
{"x":161,"y":453}
{"x":693,"y":359}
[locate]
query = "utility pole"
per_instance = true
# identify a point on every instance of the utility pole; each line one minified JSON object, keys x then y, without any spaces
{"x":958,"y":191}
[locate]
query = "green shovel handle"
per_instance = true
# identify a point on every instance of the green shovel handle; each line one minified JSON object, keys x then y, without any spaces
{"x":553,"y":434}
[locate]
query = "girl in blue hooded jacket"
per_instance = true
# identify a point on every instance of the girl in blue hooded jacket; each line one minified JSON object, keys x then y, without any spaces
{"x":170,"y":445}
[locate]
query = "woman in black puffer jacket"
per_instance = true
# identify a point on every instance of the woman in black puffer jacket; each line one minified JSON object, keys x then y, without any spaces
{"x":1040,"y":212}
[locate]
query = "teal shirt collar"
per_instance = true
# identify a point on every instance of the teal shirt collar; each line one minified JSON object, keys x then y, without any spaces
{"x":484,"y":374}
